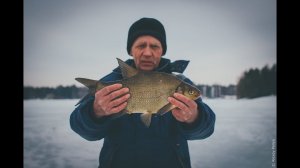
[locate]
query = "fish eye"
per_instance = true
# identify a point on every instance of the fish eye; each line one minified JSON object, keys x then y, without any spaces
{"x":191,"y":92}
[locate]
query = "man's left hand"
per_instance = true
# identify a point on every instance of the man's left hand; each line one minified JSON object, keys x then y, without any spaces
{"x":186,"y":109}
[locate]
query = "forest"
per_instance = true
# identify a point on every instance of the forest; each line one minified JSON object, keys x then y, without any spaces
{"x":257,"y":82}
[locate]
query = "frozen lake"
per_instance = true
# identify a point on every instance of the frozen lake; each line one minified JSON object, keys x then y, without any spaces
{"x":244,"y":137}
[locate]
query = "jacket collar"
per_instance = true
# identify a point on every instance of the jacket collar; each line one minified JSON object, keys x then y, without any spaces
{"x":165,"y":65}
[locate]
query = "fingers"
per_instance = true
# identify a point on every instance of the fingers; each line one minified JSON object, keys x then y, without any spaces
{"x":179,"y":115}
{"x":182,"y":116}
{"x":178,"y":104}
{"x":118,"y":101}
{"x":182,"y":102}
{"x":111,"y":92}
{"x":117,"y":109}
{"x":187,"y":109}
{"x":108,"y":89}
{"x":111,"y":99}
{"x":188,"y":102}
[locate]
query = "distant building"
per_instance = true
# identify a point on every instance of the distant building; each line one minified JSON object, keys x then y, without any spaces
{"x":216,"y":91}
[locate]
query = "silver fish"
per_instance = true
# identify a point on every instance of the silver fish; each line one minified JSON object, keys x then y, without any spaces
{"x":149,"y":90}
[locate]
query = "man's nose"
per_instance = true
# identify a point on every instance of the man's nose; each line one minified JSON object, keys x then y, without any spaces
{"x":147,"y":51}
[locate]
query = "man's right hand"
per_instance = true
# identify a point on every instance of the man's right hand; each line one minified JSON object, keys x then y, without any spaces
{"x":108,"y":100}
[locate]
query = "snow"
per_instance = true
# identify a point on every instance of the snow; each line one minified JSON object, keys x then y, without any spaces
{"x":244,"y":137}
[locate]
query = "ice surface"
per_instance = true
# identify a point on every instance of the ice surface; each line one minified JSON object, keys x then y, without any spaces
{"x":245,"y":133}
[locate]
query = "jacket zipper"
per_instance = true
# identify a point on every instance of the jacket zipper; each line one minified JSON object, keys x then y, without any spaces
{"x":178,"y":157}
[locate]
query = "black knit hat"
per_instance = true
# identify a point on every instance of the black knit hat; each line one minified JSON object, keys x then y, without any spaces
{"x":147,"y":26}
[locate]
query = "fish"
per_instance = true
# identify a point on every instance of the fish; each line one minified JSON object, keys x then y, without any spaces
{"x":149,"y":91}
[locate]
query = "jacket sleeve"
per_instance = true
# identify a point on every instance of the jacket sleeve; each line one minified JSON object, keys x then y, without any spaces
{"x":85,"y":124}
{"x":204,"y":125}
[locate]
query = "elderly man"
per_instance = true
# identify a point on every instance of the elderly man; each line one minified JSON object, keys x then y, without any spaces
{"x":127,"y":142}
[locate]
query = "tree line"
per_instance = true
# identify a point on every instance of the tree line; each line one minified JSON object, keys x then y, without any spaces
{"x":257,"y":83}
{"x":253,"y":83}
{"x":59,"y":92}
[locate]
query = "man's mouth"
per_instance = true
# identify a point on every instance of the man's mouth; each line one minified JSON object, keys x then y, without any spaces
{"x":147,"y":63}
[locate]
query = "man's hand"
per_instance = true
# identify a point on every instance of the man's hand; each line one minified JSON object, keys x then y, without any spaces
{"x":110,"y":100}
{"x":186,"y":109}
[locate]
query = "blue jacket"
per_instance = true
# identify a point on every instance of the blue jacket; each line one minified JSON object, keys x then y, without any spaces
{"x":128,"y":143}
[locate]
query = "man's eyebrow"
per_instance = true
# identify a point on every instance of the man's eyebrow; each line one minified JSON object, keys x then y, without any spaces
{"x":141,"y":43}
{"x":145,"y":43}
{"x":155,"y":44}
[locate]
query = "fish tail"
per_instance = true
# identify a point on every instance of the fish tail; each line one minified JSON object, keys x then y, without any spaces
{"x":93,"y":85}
{"x":146,"y":119}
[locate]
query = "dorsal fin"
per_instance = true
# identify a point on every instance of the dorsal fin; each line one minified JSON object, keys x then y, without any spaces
{"x":127,"y":71}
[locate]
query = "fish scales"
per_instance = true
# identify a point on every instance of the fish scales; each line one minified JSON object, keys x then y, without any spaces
{"x":149,"y":92}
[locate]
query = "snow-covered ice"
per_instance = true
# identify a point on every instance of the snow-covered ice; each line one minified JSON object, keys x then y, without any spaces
{"x":244,"y":137}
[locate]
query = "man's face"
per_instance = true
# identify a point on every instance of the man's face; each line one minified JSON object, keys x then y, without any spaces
{"x":146,"y":51}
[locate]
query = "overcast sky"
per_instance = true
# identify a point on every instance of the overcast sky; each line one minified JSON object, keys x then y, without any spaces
{"x":65,"y":39}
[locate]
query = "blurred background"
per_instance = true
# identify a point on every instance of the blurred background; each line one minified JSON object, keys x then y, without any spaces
{"x":231,"y":45}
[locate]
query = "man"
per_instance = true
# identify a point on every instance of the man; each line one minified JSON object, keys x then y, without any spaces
{"x":127,"y":142}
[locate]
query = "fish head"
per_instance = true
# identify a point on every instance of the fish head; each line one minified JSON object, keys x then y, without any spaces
{"x":188,"y":90}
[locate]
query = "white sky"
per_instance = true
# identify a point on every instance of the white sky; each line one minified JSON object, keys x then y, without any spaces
{"x":65,"y":39}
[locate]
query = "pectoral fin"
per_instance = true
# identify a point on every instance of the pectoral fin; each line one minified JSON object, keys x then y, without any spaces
{"x":146,"y":119}
{"x":165,"y":109}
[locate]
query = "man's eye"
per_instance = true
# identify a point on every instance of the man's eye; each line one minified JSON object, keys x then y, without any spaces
{"x":141,"y":46}
{"x":155,"y":46}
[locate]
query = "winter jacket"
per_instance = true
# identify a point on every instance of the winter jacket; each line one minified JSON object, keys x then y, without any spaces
{"x":129,"y":143}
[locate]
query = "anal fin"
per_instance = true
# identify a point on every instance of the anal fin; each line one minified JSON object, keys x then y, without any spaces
{"x":146,"y":119}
